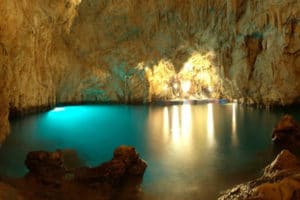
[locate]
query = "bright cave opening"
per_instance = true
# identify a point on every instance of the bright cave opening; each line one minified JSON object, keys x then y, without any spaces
{"x":198,"y":79}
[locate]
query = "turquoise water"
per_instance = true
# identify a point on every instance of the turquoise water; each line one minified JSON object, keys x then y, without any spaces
{"x":192,"y":151}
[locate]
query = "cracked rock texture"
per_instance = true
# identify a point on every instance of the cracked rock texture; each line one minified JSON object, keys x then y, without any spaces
{"x":70,"y":51}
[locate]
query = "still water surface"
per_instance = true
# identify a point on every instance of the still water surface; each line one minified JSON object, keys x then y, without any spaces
{"x":192,"y":151}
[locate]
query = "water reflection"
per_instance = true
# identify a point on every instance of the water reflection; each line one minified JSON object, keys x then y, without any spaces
{"x":234,"y":138}
{"x":166,"y":126}
{"x":179,"y":125}
{"x":210,"y":125}
{"x":179,"y":128}
{"x":186,"y":120}
{"x":175,"y":128}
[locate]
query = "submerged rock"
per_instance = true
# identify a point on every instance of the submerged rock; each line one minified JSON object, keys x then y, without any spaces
{"x":286,"y":132}
{"x":280,"y":181}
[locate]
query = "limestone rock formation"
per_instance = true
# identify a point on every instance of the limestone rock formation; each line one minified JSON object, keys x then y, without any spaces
{"x":60,"y":51}
{"x":32,"y":55}
{"x":287,"y":132}
{"x":280,"y":181}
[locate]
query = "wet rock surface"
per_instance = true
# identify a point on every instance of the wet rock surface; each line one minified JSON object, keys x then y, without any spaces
{"x":280,"y":181}
{"x":49,"y":178}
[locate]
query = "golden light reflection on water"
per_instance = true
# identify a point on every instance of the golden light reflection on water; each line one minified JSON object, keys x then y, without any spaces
{"x":233,"y":125}
{"x":166,"y":126}
{"x":193,"y":145}
{"x":175,"y":128}
{"x":186,"y":120}
{"x":182,"y":126}
{"x":179,"y":128}
{"x":210,"y":125}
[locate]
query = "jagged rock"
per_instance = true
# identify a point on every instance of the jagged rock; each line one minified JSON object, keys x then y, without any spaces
{"x":134,"y":165}
{"x":284,"y":161}
{"x":287,"y":132}
{"x":47,"y":167}
{"x":55,"y":164}
{"x":280,"y":181}
{"x":125,"y":164}
{"x":42,"y":162}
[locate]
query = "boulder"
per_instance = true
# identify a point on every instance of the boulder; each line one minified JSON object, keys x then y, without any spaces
{"x":45,"y":164}
{"x":286,"y":132}
{"x":134,"y":165}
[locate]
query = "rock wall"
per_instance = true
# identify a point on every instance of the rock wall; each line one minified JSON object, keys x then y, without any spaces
{"x":256,"y":46}
{"x":264,"y":57}
{"x":34,"y":59}
{"x":57,"y":51}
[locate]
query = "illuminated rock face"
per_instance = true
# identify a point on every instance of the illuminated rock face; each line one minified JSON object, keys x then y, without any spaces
{"x":31,"y":52}
{"x":56,"y":51}
{"x":253,"y":47}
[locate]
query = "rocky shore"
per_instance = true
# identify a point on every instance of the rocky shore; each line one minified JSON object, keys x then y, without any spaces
{"x":280,"y":181}
{"x":281,"y":178}
{"x":49,"y":177}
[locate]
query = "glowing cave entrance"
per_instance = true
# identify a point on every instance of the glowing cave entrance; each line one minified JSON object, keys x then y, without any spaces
{"x":197,"y":79}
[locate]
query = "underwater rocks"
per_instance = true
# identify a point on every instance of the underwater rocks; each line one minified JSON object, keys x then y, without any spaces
{"x":280,"y":181}
{"x":286,"y":133}
{"x":49,"y":167}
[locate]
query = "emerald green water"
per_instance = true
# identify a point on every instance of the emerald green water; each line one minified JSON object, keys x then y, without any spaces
{"x":192,"y":151}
